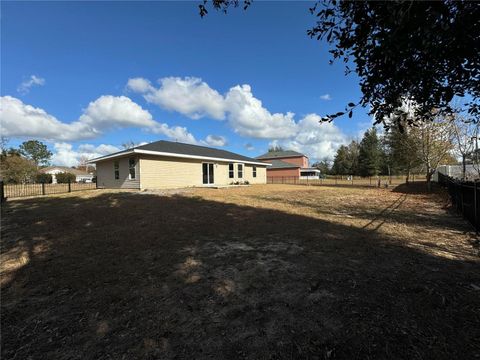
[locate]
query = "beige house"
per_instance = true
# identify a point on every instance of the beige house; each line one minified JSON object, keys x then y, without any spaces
{"x":165,"y":164}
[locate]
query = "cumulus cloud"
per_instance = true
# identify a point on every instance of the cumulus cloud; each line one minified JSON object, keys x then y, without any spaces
{"x":115,"y":112}
{"x":26,"y":85}
{"x":22,"y":120}
{"x":175,"y":133}
{"x":139,"y":85}
{"x":105,"y":113}
{"x":65,"y":154}
{"x":326,"y":97}
{"x":315,"y":139}
{"x":194,"y":98}
{"x":189,"y":96}
{"x":215,"y":140}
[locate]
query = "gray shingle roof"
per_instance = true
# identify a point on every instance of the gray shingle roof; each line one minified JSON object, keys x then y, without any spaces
{"x":185,"y":149}
{"x":279,"y":164}
{"x":279,"y":154}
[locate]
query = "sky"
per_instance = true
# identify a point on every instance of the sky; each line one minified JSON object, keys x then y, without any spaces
{"x":87,"y":77}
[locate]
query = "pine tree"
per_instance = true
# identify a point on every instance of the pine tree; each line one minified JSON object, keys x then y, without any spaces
{"x":369,"y":154}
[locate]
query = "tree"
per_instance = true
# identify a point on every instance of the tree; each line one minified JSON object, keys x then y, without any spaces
{"x":323,"y":165}
{"x":369,"y":154}
{"x":346,"y":159}
{"x":434,"y":140}
{"x":18,"y":170}
{"x":403,"y":150}
{"x":275,"y":148}
{"x":425,"y":51}
{"x":465,"y":135}
{"x":36,"y":151}
{"x":65,"y":177}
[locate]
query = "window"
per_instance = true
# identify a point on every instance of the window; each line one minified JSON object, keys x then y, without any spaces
{"x":131,"y":168}
{"x":254,"y":171}
{"x":231,"y":173}
{"x":116,"y":170}
{"x":240,"y":171}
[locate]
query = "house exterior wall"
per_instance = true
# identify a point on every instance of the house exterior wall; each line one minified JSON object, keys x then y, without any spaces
{"x":301,"y":161}
{"x":283,"y":172}
{"x":170,"y":172}
{"x":106,"y":174}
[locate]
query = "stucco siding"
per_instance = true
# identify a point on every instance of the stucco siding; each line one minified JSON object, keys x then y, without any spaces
{"x":164,"y":172}
{"x":106,"y":174}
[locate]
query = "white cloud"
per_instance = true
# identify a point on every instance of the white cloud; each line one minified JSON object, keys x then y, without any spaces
{"x":189,"y":96}
{"x":105,"y":113}
{"x":248,"y":117}
{"x":326,"y":97}
{"x":109,"y":112}
{"x":215,"y":140}
{"x":64,"y":153}
{"x":194,"y":98}
{"x":175,"y":133}
{"x":26,"y":85}
{"x":21,"y":120}
{"x":139,"y":85}
{"x":315,"y":139}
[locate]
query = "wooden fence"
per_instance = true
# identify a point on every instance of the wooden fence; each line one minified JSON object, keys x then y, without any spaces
{"x":346,"y":180}
{"x":23,"y":190}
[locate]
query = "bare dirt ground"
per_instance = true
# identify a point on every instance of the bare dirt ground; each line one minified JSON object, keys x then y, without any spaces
{"x":262,"y":272}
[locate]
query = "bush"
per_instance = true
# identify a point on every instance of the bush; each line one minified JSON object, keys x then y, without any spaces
{"x":43,"y":178}
{"x":64,"y":178}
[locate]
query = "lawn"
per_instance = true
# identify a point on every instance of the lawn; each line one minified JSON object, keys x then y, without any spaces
{"x":261,"y":272}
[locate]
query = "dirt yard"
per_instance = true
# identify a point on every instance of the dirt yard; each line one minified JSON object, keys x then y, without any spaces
{"x":262,"y":272}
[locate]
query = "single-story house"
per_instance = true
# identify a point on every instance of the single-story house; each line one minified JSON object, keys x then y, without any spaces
{"x":288,"y":163}
{"x":166,"y":164}
{"x":80,"y":176}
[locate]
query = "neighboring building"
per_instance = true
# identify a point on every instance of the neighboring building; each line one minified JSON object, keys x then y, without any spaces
{"x":289,"y":164}
{"x":165,"y":164}
{"x":455,"y":171}
{"x":81,"y":176}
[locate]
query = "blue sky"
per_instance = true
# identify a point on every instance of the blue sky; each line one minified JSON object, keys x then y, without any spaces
{"x":85,"y":77}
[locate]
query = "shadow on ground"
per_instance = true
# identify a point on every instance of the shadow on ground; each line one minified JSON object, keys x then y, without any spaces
{"x":145,"y":276}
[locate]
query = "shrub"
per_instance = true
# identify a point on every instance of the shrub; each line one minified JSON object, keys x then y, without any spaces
{"x":63,"y":178}
{"x":43,"y":178}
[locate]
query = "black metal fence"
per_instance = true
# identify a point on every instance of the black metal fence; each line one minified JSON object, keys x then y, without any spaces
{"x":465,"y":197}
{"x":23,"y":190}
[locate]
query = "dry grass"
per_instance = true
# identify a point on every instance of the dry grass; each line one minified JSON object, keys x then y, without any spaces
{"x":275,"y":271}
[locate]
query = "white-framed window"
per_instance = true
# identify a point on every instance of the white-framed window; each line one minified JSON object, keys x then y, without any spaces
{"x":240,"y":171}
{"x":254,"y":171}
{"x":231,"y":171}
{"x":116,"y":170}
{"x":131,"y":168}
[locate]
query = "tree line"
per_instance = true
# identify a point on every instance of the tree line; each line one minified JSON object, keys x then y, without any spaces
{"x":409,"y":149}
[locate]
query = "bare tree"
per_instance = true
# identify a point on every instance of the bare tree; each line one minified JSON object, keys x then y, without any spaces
{"x":465,"y":140}
{"x":435,"y":142}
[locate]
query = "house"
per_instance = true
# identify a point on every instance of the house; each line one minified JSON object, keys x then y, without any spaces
{"x":81,"y":176}
{"x":166,"y":164}
{"x":456,"y":172}
{"x":288,"y":163}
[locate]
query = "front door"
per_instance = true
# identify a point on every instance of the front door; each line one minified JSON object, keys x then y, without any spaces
{"x":207,"y":172}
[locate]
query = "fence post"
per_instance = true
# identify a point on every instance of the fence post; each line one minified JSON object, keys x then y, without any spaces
{"x":335,"y":179}
{"x":69,"y":186}
{"x":2,"y":192}
{"x":352,"y":179}
{"x":43,"y":188}
{"x":475,"y":203}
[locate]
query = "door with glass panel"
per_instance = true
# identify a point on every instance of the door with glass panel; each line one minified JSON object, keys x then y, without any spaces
{"x":207,"y":173}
